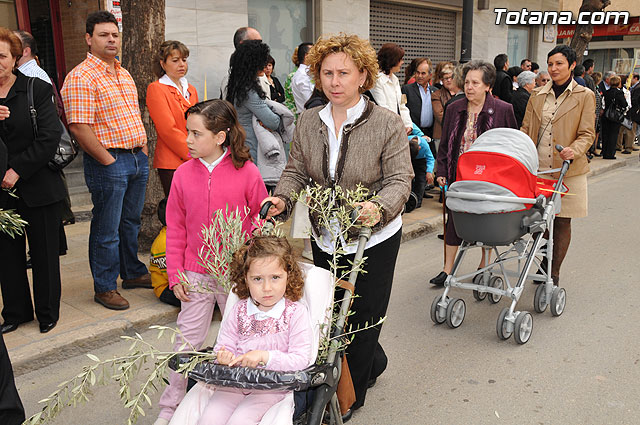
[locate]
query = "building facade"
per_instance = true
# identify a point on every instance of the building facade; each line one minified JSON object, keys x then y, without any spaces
{"x":613,"y":47}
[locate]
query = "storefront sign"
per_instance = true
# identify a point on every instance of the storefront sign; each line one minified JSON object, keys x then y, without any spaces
{"x":632,"y":28}
{"x":113,"y":6}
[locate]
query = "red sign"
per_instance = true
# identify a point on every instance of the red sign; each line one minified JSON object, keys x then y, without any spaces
{"x":632,"y":28}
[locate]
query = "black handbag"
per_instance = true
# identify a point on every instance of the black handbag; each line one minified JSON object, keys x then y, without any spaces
{"x":68,"y":147}
{"x":613,"y":113}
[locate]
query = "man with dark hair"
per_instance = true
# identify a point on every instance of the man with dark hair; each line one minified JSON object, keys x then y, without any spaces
{"x":301,"y":84}
{"x":101,"y":101}
{"x":503,"y":87}
{"x":588,"y":70}
{"x":525,"y":65}
{"x":578,"y":75}
{"x":535,"y":67}
{"x":634,"y":112}
{"x":244,"y":34}
{"x":27,"y":63}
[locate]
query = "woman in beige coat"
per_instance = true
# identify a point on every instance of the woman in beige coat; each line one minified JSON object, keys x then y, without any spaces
{"x":562,"y":113}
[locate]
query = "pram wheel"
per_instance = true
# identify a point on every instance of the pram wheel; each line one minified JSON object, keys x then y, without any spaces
{"x":455,"y":312}
{"x":523,"y":327}
{"x":479,"y":296}
{"x":437,"y":316}
{"x":502,"y":327}
{"x":540,"y":299}
{"x":558,"y":301}
{"x":498,"y":283}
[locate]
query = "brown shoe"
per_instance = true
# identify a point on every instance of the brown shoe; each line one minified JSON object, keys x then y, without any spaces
{"x":143,"y":281}
{"x":112,"y":300}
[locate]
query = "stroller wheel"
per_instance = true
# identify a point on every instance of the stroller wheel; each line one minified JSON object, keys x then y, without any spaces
{"x":540,"y":299}
{"x":498,"y":283}
{"x":455,"y":312}
{"x":438,"y":316}
{"x":558,"y":301}
{"x":502,"y":327}
{"x":479,"y":296}
{"x":523,"y":327}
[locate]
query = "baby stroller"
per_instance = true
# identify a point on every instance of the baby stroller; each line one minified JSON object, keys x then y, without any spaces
{"x":321,"y":378}
{"x":498,"y":204}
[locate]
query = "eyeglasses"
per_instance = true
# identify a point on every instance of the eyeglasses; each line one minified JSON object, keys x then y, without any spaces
{"x":447,"y":78}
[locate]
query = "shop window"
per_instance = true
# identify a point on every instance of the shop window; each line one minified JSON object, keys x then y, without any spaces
{"x":517,"y":44}
{"x":283,"y":24}
{"x":8,"y":17}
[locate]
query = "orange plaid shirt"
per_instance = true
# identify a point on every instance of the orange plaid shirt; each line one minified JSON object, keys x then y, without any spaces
{"x":93,"y":95}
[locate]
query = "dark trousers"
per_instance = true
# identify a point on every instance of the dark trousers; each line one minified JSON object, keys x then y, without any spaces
{"x":365,"y":355}
{"x":43,"y":232}
{"x":419,"y":182}
{"x":166,"y":177}
{"x":609,"y":137}
{"x":11,"y":410}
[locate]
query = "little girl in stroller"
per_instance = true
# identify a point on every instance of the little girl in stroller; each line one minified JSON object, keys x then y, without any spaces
{"x":267,"y":328}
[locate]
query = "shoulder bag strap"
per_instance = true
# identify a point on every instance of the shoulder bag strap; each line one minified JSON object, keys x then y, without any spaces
{"x":32,"y":109}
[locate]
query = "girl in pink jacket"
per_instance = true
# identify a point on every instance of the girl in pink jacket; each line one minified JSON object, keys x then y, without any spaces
{"x":220,"y":176}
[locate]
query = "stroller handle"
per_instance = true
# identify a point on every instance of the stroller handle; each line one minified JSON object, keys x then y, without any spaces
{"x":264,"y":210}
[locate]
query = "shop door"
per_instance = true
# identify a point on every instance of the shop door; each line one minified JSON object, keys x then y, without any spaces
{"x":420,"y":31}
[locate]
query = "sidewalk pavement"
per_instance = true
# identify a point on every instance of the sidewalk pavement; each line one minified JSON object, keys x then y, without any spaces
{"x":85,"y":325}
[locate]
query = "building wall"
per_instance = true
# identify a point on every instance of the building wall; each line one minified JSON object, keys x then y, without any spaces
{"x":207,"y":28}
{"x":334,"y":16}
{"x":490,"y":39}
{"x":632,"y":6}
{"x":73,"y":29}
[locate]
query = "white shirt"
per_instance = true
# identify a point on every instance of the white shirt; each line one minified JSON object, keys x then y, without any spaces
{"x":184,"y":85}
{"x":324,"y":240}
{"x":387,"y":94}
{"x":211,"y":166}
{"x":266,"y":87}
{"x":274,"y":312}
{"x":301,"y":87}
{"x":31,"y":69}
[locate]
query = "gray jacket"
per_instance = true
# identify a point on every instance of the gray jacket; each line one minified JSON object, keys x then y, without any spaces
{"x":272,"y":158}
{"x":374,"y":152}
{"x":252,"y":106}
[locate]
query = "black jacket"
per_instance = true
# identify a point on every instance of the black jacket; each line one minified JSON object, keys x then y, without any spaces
{"x":519,"y":101}
{"x":614,"y":95}
{"x":38,"y":185}
{"x":414,"y":103}
{"x":503,"y":88}
{"x":634,"y":112}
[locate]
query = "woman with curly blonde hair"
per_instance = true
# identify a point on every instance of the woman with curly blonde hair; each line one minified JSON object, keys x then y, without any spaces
{"x":352,"y":141}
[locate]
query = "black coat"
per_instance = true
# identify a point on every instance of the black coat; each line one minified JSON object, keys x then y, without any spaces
{"x":503,"y":87}
{"x":414,"y":103}
{"x":277,"y":91}
{"x":519,"y":101}
{"x":38,"y":185}
{"x":634,"y":112}
{"x":614,"y":95}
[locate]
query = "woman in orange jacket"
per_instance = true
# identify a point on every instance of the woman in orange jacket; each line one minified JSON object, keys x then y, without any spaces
{"x":168,"y":99}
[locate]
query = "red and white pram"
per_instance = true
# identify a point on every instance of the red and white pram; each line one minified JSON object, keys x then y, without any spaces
{"x":499,"y":204}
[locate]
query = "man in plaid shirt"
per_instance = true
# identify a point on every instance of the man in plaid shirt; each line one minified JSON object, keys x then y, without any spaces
{"x":101,"y":103}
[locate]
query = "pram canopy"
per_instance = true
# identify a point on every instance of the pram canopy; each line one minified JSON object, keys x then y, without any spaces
{"x":502,"y":163}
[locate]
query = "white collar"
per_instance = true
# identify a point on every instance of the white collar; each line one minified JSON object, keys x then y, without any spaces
{"x":353,"y":113}
{"x":211,"y":166}
{"x":274,"y":312}
{"x":184,"y":90}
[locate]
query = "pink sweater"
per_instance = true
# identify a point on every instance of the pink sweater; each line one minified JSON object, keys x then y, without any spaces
{"x":288,"y":339}
{"x":195,"y":195}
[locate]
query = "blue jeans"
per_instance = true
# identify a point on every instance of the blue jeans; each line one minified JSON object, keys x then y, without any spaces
{"x":117,"y":192}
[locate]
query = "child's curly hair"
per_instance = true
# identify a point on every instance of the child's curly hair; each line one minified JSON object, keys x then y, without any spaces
{"x":262,"y":247}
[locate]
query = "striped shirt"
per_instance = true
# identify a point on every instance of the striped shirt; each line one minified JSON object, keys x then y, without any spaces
{"x":107,"y":102}
{"x":31,"y":69}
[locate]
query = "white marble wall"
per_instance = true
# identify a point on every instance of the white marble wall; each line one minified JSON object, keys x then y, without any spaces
{"x":490,"y":39}
{"x":207,"y":28}
{"x":350,"y":16}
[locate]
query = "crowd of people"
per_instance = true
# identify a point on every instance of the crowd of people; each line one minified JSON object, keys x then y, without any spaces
{"x":342,"y":117}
